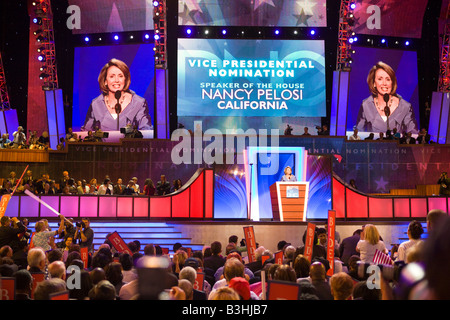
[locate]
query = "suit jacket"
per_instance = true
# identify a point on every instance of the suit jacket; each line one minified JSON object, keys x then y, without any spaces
{"x":118,"y":189}
{"x":347,"y":248}
{"x":369,"y":120}
{"x":135,"y":113}
{"x":214,"y":262}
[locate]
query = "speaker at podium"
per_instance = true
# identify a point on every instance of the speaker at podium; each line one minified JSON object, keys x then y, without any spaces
{"x":289,"y":200}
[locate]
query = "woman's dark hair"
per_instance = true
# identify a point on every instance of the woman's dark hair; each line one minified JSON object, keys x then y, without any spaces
{"x":126,"y":261}
{"x":85,"y":286}
{"x":415,"y":229}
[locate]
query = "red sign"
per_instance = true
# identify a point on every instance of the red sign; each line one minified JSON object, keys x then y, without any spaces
{"x":309,"y":245}
{"x":264,"y":258}
{"x":331,"y":237}
{"x":64,"y":295}
{"x":250,"y":243}
{"x":4,"y":204}
{"x":279,"y":257}
{"x":7,"y":288}
{"x":283,"y":290}
{"x":199,"y":281}
{"x":118,"y":243}
{"x":37,"y":277}
{"x":84,"y":256}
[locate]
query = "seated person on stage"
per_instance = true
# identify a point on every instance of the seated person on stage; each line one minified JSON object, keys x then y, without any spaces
{"x":44,"y":140}
{"x":288,"y":176}
{"x":5,"y":142}
{"x":90,"y":137}
{"x":19,"y":138}
{"x":119,"y":187}
{"x":115,"y":79}
{"x":106,"y":188}
{"x":61,"y":145}
{"x":71,"y":136}
{"x":129,"y":190}
{"x":163,"y":186}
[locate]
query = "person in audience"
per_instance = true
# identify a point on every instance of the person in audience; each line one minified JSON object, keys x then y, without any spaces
{"x":106,"y":188}
{"x":45,"y":288}
{"x":5,"y":142}
{"x":82,"y":293}
{"x":9,"y":234}
{"x":149,"y":187}
{"x":43,"y":237}
{"x":44,"y":140}
{"x":24,"y":284}
{"x":434,"y":218}
{"x":370,"y":244}
{"x":36,"y":260}
{"x":104,"y":290}
{"x":176,"y":185}
{"x":57,"y":269}
{"x":71,"y":136}
{"x":362,"y":292}
{"x":19,"y":138}
{"x":119,"y":187}
{"x":190,"y":274}
{"x":354,"y":136}
{"x":348,"y":246}
{"x":444,"y":184}
{"x":415,"y":231}
{"x":407,"y":139}
{"x":301,"y":267}
{"x":219,"y":273}
{"x":129,"y":189}
{"x":341,"y":286}
{"x":423,"y":137}
{"x":113,"y":272}
{"x":224,"y":293}
{"x":215,"y":261}
{"x":85,"y":234}
{"x":317,"y":274}
{"x":162,"y":186}
{"x":242,"y":288}
{"x":128,"y":270}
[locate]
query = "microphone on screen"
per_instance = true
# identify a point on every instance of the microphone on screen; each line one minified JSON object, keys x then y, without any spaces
{"x":118,"y":107}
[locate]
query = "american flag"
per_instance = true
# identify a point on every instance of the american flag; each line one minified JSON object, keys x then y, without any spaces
{"x":381,"y":258}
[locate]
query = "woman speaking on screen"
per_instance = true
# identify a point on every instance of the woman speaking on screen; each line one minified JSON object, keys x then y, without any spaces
{"x":117,"y":106}
{"x":385,"y":109}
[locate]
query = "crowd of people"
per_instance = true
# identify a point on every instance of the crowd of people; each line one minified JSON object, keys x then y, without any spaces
{"x":422,"y":138}
{"x":68,"y":185}
{"x":419,"y":266}
{"x":33,"y":141}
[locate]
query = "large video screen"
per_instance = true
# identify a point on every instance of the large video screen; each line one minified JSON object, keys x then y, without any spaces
{"x":281,"y":13}
{"x":103,"y":16}
{"x":230,"y":201}
{"x":88,"y":61}
{"x":404,"y":64}
{"x":390,"y":18}
{"x":255,"y":80}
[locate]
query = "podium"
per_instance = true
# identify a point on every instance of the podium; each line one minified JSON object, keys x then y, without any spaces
{"x":289,"y":200}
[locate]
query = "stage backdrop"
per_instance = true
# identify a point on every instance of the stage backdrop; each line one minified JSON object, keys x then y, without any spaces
{"x":390,"y":18}
{"x":102,"y":16}
{"x":90,"y":60}
{"x":250,"y":83}
{"x":404,"y":64}
{"x":281,"y":13}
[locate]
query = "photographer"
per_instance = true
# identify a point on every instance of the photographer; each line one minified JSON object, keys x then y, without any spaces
{"x":288,"y":130}
{"x":85,"y":234}
{"x":444,"y":183}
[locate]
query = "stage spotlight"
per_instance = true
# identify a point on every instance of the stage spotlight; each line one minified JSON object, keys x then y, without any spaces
{"x":156,"y":37}
{"x":295,"y":32}
{"x":355,"y":39}
{"x":40,"y":38}
{"x":350,"y":40}
{"x":189,"y":31}
{"x":38,"y":31}
{"x":131,"y":37}
{"x":86,"y":39}
{"x":116,"y":37}
{"x":155,"y":3}
{"x":37,"y":21}
{"x":353,"y":6}
{"x":41,"y":58}
{"x":147,"y":36}
{"x":43,"y":75}
{"x":277,"y":32}
{"x":206,"y":31}
{"x":312,"y":32}
{"x":407,"y":43}
{"x":224,"y":32}
{"x":40,"y":49}
{"x":383,"y":41}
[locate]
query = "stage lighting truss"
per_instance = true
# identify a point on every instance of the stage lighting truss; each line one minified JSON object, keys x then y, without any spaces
{"x":45,"y":44}
{"x":4,"y":99}
{"x":346,"y":35}
{"x":444,"y":63}
{"x":160,"y":27}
